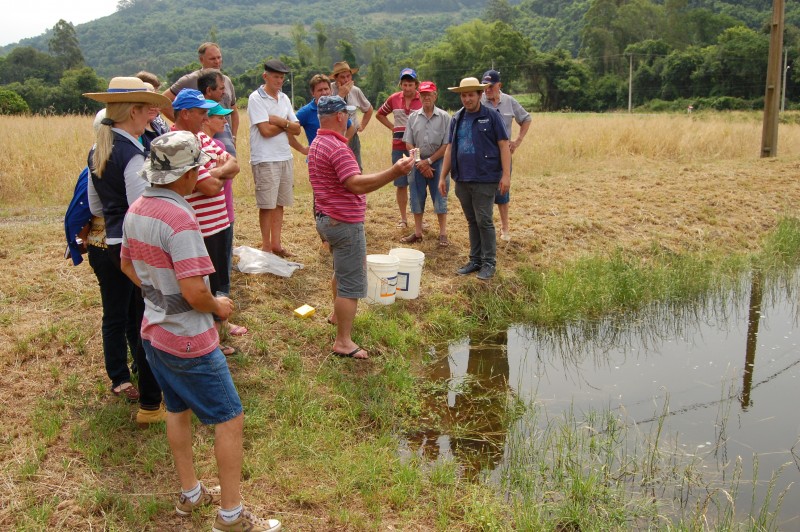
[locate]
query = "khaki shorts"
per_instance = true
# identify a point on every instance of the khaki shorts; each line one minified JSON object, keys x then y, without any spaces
{"x":274,"y":184}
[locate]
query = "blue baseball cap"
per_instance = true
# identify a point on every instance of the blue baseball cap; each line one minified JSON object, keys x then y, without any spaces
{"x":491,"y":77}
{"x":328,"y":105}
{"x":408,"y":73}
{"x":191,"y":99}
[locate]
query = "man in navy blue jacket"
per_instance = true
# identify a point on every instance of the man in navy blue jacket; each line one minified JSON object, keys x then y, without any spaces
{"x":479,"y":161}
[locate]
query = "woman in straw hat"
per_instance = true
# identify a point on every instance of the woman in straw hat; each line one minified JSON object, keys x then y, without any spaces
{"x":115,"y":183}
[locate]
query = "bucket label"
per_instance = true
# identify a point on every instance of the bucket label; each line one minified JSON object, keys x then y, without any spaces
{"x":402,"y":281}
{"x":388,"y":286}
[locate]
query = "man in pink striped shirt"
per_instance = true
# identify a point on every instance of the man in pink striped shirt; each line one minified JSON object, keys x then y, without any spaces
{"x":162,"y":253}
{"x":340,"y":206}
{"x":208,"y":197}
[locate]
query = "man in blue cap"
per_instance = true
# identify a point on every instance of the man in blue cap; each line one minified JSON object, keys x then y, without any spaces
{"x":208,"y":197}
{"x":340,"y":205}
{"x":400,"y":105}
{"x":509,"y":109}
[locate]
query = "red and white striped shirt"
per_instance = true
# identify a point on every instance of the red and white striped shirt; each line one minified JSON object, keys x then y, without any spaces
{"x":211,"y":211}
{"x":330,"y":163}
{"x":396,"y":105}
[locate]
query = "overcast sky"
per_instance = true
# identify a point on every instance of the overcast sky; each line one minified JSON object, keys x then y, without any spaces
{"x":29,"y":18}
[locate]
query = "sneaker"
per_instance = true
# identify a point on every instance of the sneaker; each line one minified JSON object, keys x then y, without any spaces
{"x":207,"y":497}
{"x":145,"y":418}
{"x":486,"y":273}
{"x":505,"y":236}
{"x":247,"y":522}
{"x":468,"y":268}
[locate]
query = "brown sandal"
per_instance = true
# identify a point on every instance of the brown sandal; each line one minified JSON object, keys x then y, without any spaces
{"x":129,"y":392}
{"x":413,"y":238}
{"x":443,"y":242}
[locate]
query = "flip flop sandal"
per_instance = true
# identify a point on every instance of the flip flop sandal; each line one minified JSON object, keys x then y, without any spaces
{"x":351,"y":354}
{"x":236,"y":330}
{"x":227,"y":350}
{"x":443,"y":242}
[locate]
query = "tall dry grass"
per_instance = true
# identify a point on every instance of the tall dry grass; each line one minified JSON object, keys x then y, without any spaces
{"x":45,"y":154}
{"x":581,"y":185}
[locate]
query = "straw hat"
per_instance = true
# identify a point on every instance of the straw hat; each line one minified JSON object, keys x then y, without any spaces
{"x":468,"y":85}
{"x":342,"y":66}
{"x":129,"y":90}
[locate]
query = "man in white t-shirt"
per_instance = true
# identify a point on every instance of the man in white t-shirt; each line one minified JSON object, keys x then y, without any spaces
{"x":272,"y":120}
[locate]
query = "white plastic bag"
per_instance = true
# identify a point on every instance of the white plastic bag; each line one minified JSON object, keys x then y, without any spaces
{"x":252,"y":260}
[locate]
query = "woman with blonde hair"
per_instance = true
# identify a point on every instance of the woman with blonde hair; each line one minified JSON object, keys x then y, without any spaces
{"x":114,"y":162}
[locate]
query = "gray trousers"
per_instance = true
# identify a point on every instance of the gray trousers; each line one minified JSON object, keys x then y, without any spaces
{"x":477,"y":202}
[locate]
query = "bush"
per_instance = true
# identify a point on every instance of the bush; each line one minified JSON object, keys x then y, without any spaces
{"x":12,"y":103}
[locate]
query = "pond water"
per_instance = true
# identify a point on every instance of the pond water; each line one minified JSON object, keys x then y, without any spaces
{"x":721,"y":374}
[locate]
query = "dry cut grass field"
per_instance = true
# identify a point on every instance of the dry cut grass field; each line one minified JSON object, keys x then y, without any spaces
{"x":581,"y":185}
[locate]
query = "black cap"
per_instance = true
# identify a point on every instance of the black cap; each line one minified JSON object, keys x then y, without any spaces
{"x":276,"y":65}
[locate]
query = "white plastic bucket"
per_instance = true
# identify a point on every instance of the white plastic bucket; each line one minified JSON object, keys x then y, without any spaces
{"x":382,"y":278}
{"x":409,"y":272}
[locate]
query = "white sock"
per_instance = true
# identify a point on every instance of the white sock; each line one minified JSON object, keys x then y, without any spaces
{"x":193,"y":495}
{"x":229,"y":516}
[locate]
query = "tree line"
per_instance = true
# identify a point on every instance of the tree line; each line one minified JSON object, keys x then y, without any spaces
{"x":677,"y":52}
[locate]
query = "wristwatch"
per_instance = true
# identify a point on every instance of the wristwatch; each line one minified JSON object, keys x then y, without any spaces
{"x":429,"y":162}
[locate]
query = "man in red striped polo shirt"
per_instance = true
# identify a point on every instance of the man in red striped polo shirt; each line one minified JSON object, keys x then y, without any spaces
{"x":208,"y":198}
{"x":400,"y":105}
{"x":340,"y":205}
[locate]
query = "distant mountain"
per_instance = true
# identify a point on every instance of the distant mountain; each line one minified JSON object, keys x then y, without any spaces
{"x":160,"y":35}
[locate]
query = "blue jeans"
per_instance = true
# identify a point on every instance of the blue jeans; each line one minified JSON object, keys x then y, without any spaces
{"x":477,"y":202}
{"x":123,"y":309}
{"x":202,"y":384}
{"x":401,"y":181}
{"x":418,"y":189}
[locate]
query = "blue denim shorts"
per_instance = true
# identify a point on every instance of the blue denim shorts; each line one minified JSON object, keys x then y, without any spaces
{"x":419,"y":187}
{"x":349,"y":247}
{"x":202,"y":384}
{"x":401,"y":181}
{"x":502,"y":199}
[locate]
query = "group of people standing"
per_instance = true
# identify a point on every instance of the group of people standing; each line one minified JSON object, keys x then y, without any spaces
{"x":162,"y":253}
{"x":162,"y":257}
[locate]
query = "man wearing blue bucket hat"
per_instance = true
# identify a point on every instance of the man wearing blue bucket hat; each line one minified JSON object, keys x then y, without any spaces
{"x":340,"y":206}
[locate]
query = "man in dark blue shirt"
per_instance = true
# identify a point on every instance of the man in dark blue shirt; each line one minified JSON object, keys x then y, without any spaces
{"x":479,"y":160}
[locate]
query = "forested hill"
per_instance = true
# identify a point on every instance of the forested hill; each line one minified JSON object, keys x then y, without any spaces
{"x":160,"y":35}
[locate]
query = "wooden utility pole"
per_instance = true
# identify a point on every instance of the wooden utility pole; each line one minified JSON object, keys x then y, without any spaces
{"x":630,"y":85}
{"x":769,"y":132}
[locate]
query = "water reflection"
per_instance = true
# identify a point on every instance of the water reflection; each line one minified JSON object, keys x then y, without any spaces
{"x":684,"y":360}
{"x":470,"y":403}
{"x":753,"y":319}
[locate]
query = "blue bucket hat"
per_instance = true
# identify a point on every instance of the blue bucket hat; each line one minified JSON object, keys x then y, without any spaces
{"x":191,"y":99}
{"x":328,"y":105}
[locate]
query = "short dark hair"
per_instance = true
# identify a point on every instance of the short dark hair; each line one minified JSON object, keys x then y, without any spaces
{"x":208,"y":79}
